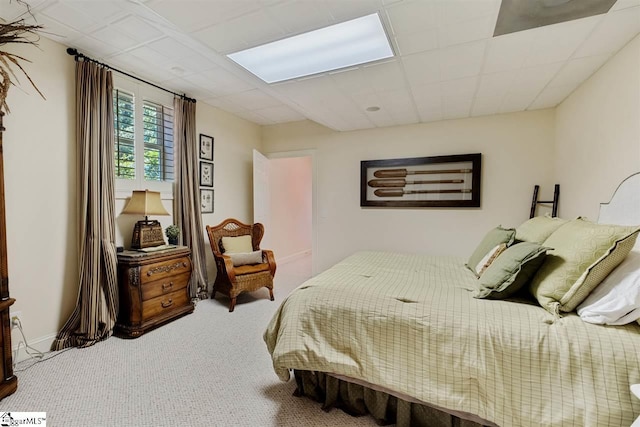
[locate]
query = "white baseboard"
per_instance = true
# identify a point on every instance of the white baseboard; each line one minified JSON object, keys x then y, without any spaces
{"x":42,"y":344}
{"x":293,"y":257}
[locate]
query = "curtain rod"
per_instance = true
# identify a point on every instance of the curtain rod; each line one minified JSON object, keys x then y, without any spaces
{"x":74,"y":52}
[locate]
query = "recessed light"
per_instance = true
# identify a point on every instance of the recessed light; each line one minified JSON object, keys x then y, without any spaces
{"x":373,"y":108}
{"x":349,"y":43}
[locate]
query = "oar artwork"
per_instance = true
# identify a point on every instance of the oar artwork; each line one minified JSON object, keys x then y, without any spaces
{"x":403,"y":182}
{"x":399,"y":192}
{"x":401,"y":173}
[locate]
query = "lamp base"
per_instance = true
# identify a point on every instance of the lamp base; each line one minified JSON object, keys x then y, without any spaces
{"x":147,"y":234}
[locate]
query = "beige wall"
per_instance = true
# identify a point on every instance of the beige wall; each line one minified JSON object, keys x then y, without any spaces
{"x":290,"y":180}
{"x":40,"y":187}
{"x":234,"y":141}
{"x":517,"y":154}
{"x":598,"y":134}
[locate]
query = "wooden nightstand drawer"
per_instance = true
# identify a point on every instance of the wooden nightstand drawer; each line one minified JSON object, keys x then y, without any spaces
{"x":164,"y":286}
{"x":164,"y":304}
{"x":162,"y":270}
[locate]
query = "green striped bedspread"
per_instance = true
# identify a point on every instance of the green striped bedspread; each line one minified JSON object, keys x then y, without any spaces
{"x":410,"y":324}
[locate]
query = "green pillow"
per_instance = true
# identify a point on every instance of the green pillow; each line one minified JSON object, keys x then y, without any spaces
{"x":584,"y":254}
{"x":493,"y":238}
{"x":538,"y":228}
{"x":513,"y":268}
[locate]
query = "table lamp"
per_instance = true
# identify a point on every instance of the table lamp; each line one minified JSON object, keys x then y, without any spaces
{"x":146,"y":233}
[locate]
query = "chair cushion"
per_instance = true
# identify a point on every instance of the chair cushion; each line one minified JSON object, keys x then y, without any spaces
{"x":236,"y":245}
{"x":252,"y":268}
{"x":244,"y":258}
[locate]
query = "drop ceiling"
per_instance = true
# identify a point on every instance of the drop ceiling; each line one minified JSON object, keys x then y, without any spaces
{"x":447,"y":65}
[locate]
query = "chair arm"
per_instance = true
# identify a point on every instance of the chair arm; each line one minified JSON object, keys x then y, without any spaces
{"x":225,"y":264}
{"x":267,"y":256}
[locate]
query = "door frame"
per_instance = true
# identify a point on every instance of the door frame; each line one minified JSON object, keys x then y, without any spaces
{"x":314,"y":205}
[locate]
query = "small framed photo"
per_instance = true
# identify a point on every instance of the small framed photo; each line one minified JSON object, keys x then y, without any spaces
{"x":206,"y":201}
{"x":206,"y":174}
{"x":206,"y":147}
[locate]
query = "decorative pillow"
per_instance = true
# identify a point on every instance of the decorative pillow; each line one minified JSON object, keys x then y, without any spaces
{"x":489,"y":258}
{"x":511,"y":270}
{"x":493,"y":238}
{"x":538,"y":229}
{"x":237,"y":245}
{"x":584,"y":253}
{"x":245,"y":258}
{"x":615,"y":301}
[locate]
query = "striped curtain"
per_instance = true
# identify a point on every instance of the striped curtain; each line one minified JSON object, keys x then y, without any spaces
{"x":96,"y":311}
{"x":187,"y":198}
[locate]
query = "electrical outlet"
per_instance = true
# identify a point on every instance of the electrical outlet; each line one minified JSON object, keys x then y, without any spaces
{"x":16,"y":319}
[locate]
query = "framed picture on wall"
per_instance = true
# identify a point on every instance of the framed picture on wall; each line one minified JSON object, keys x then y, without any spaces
{"x":206,"y":201}
{"x":206,"y":174}
{"x":206,"y":147}
{"x":438,"y":181}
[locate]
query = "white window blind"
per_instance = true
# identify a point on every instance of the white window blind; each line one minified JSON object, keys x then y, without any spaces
{"x":144,"y":151}
{"x":124,"y":126}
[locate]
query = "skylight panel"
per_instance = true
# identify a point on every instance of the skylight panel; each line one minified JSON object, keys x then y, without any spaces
{"x":349,"y":43}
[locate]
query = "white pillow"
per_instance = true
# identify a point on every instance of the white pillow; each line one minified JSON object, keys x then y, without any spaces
{"x":245,"y":258}
{"x":236,"y":245}
{"x":616,"y":300}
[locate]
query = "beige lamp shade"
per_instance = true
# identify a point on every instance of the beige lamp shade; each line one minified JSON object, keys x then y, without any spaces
{"x":145,"y":203}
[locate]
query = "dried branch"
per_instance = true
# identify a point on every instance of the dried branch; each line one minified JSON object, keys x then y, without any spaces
{"x":17,"y":31}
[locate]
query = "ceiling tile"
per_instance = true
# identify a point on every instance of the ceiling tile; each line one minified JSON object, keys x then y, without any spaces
{"x":192,"y":15}
{"x":254,"y":98}
{"x":343,"y":10}
{"x":458,"y":11}
{"x":385,"y":76}
{"x":220,"y":82}
{"x":71,"y":16}
{"x":171,"y":48}
{"x":508,"y":52}
{"x":224,"y":104}
{"x":576,"y":71}
{"x":56,"y":31}
{"x":137,"y":29}
{"x":466,"y":31}
{"x":496,"y":85}
{"x":486,"y":106}
{"x":352,"y":81}
{"x":400,"y":105}
{"x":462,"y":60}
{"x":422,"y":68}
{"x":224,"y":38}
{"x":300,"y":17}
{"x":410,"y":17}
{"x":115,"y":38}
{"x":255,"y":118}
{"x":558,"y":42}
{"x":96,"y":48}
{"x":615,"y":30}
{"x":417,"y":42}
{"x":280,"y":114}
{"x":101,"y":11}
{"x":258,"y":28}
{"x":552,"y":96}
{"x":623,"y":4}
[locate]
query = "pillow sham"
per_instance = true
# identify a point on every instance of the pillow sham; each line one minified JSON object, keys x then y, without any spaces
{"x":538,"y":229}
{"x":584,"y":253}
{"x":511,"y":270}
{"x":492,"y":239}
{"x":245,"y":258}
{"x":615,"y":301}
{"x":235,"y":245}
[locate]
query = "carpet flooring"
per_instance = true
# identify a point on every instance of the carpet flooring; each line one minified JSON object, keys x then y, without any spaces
{"x":209,"y":368}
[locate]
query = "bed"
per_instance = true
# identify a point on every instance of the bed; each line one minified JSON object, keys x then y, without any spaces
{"x":402,"y":337}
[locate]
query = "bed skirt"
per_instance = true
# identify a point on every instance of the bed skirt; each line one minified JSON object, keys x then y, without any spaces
{"x":357,"y":400}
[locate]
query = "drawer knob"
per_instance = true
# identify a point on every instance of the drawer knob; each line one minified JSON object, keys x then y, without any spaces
{"x":166,"y":304}
{"x":166,"y":286}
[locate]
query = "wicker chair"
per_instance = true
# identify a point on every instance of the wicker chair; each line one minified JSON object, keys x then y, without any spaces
{"x":232,"y":280}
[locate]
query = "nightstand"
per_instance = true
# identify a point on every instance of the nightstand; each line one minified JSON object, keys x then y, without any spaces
{"x":154,"y":289}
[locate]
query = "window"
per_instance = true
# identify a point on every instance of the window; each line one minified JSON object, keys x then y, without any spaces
{"x":143,"y":127}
